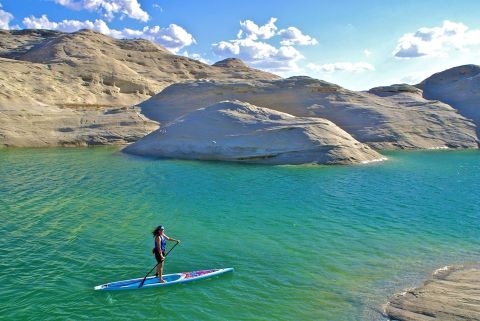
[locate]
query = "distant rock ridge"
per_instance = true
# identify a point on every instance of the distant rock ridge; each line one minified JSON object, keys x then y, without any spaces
{"x":241,"y":132}
{"x":390,"y":117}
{"x":395,"y":89}
{"x":451,"y":75}
{"x":458,"y":87}
{"x":126,"y":66}
{"x":230,"y":63}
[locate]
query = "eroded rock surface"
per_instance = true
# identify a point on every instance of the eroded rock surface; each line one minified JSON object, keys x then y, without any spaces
{"x":117,"y":72}
{"x":238,"y":131}
{"x":458,"y":87}
{"x":394,"y":117}
{"x":453,"y":294}
{"x":78,"y":88}
{"x":47,"y":126}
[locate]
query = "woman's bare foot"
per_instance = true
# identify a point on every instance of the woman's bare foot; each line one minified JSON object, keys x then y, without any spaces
{"x":162,"y":280}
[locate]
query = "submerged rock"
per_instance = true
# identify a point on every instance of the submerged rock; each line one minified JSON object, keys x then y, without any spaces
{"x":238,"y":131}
{"x":453,"y":293}
{"x":393,"y":117}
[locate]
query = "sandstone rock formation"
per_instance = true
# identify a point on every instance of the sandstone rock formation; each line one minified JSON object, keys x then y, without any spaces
{"x":458,"y":87}
{"x":395,"y":117}
{"x":433,"y":124}
{"x":84,"y":81}
{"x":37,"y":125}
{"x":119,"y":72}
{"x":452,"y":294}
{"x":49,"y":76}
{"x":238,"y":131}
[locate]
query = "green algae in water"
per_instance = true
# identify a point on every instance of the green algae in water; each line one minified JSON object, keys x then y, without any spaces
{"x":307,"y":242}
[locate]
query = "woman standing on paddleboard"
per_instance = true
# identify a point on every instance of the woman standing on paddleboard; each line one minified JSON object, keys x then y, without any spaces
{"x":159,"y":249}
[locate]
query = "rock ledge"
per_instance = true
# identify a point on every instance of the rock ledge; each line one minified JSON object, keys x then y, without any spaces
{"x":453,"y":293}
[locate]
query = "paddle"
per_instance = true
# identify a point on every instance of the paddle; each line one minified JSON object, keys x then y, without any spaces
{"x":143,"y":281}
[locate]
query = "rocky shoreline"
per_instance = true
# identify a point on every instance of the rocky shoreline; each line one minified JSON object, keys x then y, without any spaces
{"x":72,"y":126}
{"x":452,"y":294}
{"x":82,"y":89}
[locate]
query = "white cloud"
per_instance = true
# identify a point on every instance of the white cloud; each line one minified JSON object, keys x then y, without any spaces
{"x":293,"y":36}
{"x":284,"y":59}
{"x":341,"y":66}
{"x":172,"y":37}
{"x":5,"y":18}
{"x":66,"y":25}
{"x":109,"y":8}
{"x":246,"y":49}
{"x":437,"y":41}
{"x":367,"y":53}
{"x":157,"y":6}
{"x":250,"y":30}
{"x":261,"y":54}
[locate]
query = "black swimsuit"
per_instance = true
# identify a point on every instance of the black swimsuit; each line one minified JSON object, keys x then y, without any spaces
{"x":157,"y":255}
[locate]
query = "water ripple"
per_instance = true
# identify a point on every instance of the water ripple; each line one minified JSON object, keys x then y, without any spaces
{"x":307,"y":242}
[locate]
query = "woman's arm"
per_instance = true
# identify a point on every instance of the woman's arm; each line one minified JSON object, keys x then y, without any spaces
{"x":171,"y":239}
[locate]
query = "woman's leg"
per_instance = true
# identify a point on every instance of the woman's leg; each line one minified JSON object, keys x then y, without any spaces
{"x":157,"y":257}
{"x":160,"y":272}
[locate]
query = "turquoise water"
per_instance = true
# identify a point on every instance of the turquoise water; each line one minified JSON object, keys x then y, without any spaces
{"x":306,"y":242}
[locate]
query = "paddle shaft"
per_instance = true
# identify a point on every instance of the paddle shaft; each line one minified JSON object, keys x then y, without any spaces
{"x":143,"y":281}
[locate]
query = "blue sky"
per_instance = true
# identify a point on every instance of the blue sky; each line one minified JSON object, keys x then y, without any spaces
{"x":356,"y":44}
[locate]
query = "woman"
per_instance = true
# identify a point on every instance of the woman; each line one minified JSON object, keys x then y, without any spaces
{"x":159,"y":249}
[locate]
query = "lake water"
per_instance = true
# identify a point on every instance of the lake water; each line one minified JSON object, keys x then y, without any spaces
{"x":306,"y":242}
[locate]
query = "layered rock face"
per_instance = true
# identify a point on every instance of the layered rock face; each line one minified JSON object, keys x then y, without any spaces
{"x":452,"y":294}
{"x":459,"y":87}
{"x":119,"y":72}
{"x":33,"y":125}
{"x":84,"y":81}
{"x":395,"y":117}
{"x":431,"y":124}
{"x":241,"y":132}
{"x":49,"y":78}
